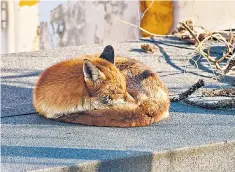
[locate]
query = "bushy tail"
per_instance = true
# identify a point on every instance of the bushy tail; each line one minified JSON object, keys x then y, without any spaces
{"x":148,"y":112}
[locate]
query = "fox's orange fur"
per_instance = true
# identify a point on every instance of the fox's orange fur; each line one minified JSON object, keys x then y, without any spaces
{"x":125,"y":94}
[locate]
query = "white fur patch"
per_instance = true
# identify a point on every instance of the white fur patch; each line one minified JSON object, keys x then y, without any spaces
{"x":163,"y":94}
{"x":165,"y":114}
{"x":55,"y":112}
{"x":52,"y":112}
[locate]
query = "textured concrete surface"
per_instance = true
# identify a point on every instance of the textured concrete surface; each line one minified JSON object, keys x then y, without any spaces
{"x":31,"y":142}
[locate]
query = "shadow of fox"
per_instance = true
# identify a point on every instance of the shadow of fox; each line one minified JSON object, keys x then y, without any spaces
{"x":102,"y":90}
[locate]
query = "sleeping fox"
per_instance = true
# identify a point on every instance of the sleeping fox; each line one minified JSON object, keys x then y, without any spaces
{"x":101,"y":90}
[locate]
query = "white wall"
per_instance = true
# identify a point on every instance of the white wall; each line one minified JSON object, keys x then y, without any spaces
{"x":45,"y":8}
{"x":212,"y":15}
{"x":21,"y":34}
{"x":99,"y":23}
{"x":89,"y":22}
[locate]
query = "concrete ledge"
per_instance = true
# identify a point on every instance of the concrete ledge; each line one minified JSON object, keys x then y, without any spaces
{"x":212,"y":157}
{"x":192,"y":139}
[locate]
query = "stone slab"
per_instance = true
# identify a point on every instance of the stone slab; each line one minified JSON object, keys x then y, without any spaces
{"x":31,"y":142}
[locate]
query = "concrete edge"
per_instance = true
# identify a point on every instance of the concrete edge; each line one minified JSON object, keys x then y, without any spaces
{"x":218,"y":156}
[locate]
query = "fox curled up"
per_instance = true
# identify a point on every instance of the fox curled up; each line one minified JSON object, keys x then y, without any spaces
{"x":102,"y":90}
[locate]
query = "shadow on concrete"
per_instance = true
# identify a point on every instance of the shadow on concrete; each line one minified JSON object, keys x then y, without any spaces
{"x":133,"y":164}
{"x":15,"y":100}
{"x":114,"y":160}
{"x":215,"y":51}
{"x":189,"y":109}
{"x":137,"y":50}
{"x":168,"y":59}
{"x":22,"y":75}
{"x":201,"y":63}
{"x":169,"y":74}
{"x":19,"y":70}
{"x":33,"y":118}
{"x":170,"y":62}
{"x":171,"y":41}
{"x":67,"y":153}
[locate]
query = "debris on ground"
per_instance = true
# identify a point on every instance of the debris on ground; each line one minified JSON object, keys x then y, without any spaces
{"x":148,"y":48}
{"x":187,"y":93}
{"x":228,"y":92}
{"x":203,"y":41}
{"x":209,"y":98}
{"x":212,"y":102}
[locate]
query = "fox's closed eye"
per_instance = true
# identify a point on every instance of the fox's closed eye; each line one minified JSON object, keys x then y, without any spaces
{"x":106,"y":99}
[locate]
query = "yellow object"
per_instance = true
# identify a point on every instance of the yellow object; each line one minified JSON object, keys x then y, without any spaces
{"x":159,"y":17}
{"x":28,"y":2}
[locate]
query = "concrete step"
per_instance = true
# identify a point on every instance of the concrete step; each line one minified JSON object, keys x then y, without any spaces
{"x":192,"y":139}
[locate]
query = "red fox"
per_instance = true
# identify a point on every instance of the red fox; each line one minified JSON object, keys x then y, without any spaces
{"x":102,"y":91}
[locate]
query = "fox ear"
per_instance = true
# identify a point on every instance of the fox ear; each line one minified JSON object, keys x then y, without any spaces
{"x":91,"y":73}
{"x":108,"y":54}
